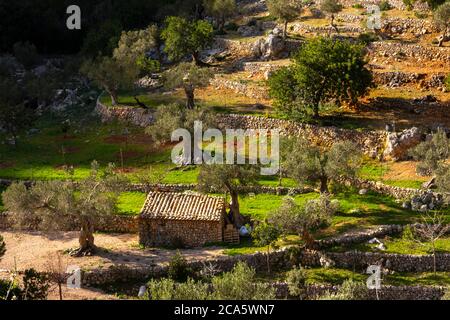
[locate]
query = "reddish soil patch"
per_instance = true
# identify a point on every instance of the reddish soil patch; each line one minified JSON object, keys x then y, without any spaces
{"x":5,"y":165}
{"x":116,"y":139}
{"x":129,"y":154}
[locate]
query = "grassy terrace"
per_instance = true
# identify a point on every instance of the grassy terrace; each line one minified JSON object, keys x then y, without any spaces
{"x":336,"y":276}
{"x":402,"y":246}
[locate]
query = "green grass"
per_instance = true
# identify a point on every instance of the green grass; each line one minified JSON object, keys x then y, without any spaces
{"x":130,"y":203}
{"x":375,"y":170}
{"x":259,"y":205}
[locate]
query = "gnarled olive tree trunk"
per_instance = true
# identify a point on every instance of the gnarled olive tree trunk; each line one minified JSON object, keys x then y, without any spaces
{"x":85,"y":239}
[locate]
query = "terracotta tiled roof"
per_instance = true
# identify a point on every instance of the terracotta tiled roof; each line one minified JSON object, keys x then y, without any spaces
{"x":180,"y":206}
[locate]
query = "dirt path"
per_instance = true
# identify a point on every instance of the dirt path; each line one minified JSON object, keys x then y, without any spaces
{"x":34,"y":249}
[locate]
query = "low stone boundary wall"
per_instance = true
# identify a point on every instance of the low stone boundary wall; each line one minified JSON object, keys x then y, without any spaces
{"x":392,"y":49}
{"x":385,"y":293}
{"x":360,"y":237}
{"x":256,"y":92}
{"x":371,"y":142}
{"x":361,"y":260}
{"x":137,"y":116}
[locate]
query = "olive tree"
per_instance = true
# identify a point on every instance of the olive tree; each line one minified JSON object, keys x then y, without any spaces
{"x":228,"y":178}
{"x":170,"y":117}
{"x":285,"y":11}
{"x":331,"y":7}
{"x":431,"y":153}
{"x":111,"y":75}
{"x":185,"y":38}
{"x":292,"y":218}
{"x":441,"y":18}
{"x":188,"y":76}
{"x":308,"y":163}
{"x":59,"y":205}
{"x":323,"y":70}
{"x":220,"y":10}
{"x":134,"y":45}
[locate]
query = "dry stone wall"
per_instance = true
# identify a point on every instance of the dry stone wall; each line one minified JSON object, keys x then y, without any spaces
{"x":394,"y":49}
{"x":371,"y":142}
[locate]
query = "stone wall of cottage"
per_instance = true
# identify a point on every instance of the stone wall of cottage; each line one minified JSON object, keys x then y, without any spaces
{"x":158,"y":232}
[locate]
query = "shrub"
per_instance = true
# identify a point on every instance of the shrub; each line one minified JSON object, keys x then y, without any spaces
{"x":240,"y":284}
{"x":296,"y":280}
{"x":168,"y":289}
{"x":385,"y":5}
{"x":10,"y":290}
{"x":178,"y":268}
{"x":35,"y":285}
{"x":349,"y":290}
{"x":447,"y":82}
{"x":358,"y":6}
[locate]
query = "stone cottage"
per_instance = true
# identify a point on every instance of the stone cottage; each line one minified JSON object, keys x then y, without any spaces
{"x":179,"y":219}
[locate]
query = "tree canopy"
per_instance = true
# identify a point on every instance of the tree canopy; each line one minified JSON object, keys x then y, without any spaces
{"x":185,"y":38}
{"x":323,"y":70}
{"x":221,"y":10}
{"x":308,"y":163}
{"x":58,"y":205}
{"x":111,"y":75}
{"x":227,"y":178}
{"x":441,"y":18}
{"x":285,"y":11}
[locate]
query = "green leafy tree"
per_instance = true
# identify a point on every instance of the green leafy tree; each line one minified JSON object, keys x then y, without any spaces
{"x":59,"y":205}
{"x":134,"y":45}
{"x":441,"y":18}
{"x":241,"y":284}
{"x":111,"y":75}
{"x":431,"y":153}
{"x":292,"y":218}
{"x":183,"y":38}
{"x":173,"y":116}
{"x":331,"y":7}
{"x":324,"y":70}
{"x":221,"y":10}
{"x":189,"y":77}
{"x":443,"y":180}
{"x":266,"y":234}
{"x":308,"y":163}
{"x":285,"y":11}
{"x":227,"y":178}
